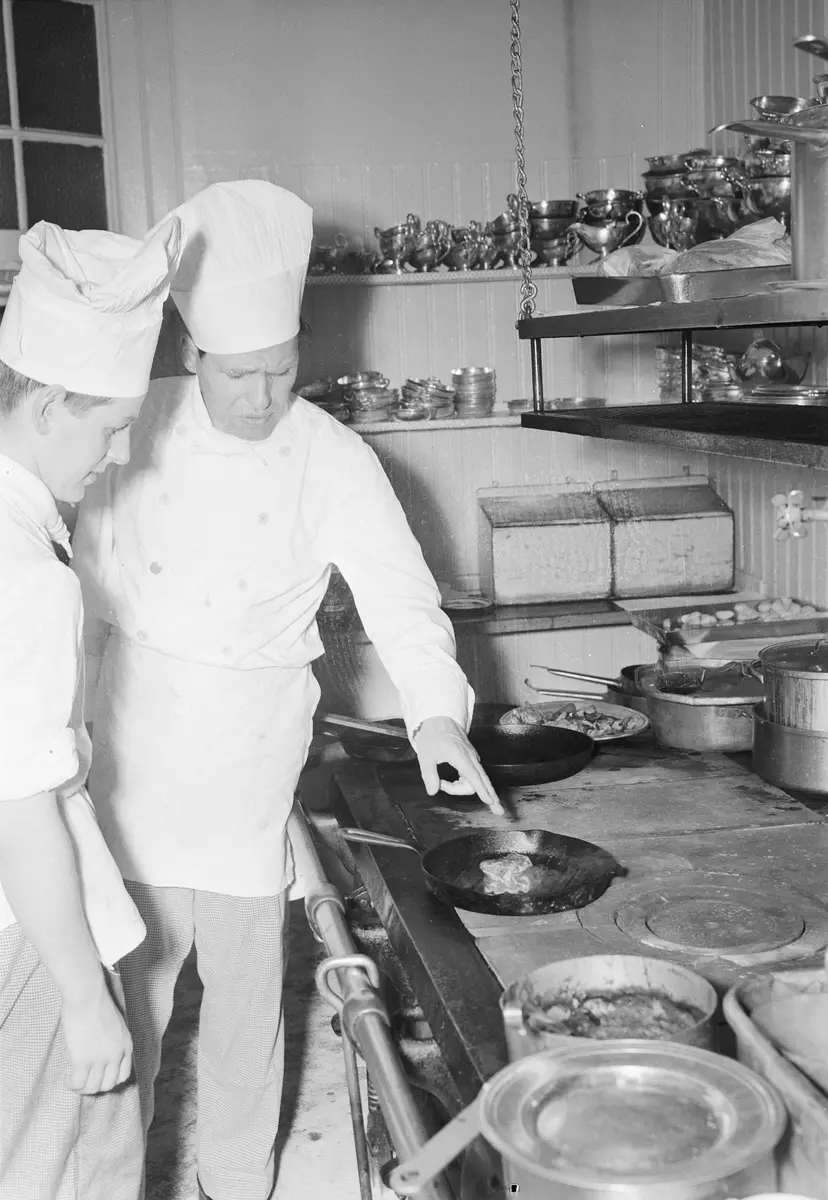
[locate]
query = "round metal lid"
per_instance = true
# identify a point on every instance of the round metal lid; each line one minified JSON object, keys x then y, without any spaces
{"x":711,"y":920}
{"x":803,"y":658}
{"x":630,"y":1112}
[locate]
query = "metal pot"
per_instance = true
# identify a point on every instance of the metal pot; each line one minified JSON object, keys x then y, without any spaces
{"x":698,"y":722}
{"x":624,"y":1120}
{"x":604,"y":975}
{"x":795,"y":675}
{"x":789,"y":758}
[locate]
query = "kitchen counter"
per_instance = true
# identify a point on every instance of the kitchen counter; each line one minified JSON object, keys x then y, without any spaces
{"x":664,"y":815}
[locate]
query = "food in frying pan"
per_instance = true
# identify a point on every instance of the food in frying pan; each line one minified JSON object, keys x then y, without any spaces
{"x":513,"y":873}
{"x":602,"y":1016}
{"x":583,"y":718}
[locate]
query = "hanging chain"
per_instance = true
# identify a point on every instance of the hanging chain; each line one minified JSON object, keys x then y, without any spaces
{"x":528,"y":289}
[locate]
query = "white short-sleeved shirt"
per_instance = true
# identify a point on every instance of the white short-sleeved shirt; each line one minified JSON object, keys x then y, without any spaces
{"x":44,"y":746}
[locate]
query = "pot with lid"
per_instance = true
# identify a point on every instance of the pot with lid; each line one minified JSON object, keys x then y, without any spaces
{"x":795,"y":676}
{"x":623,"y":1120}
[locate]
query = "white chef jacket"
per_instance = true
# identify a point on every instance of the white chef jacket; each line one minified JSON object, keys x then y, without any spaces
{"x":44,"y":746}
{"x":209,"y":556}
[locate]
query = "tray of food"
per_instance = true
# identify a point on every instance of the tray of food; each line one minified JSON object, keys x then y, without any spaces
{"x":720,"y":622}
{"x":601,"y":721}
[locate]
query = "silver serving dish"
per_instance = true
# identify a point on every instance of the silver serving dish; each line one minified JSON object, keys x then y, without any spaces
{"x":794,"y":394}
{"x":776,"y":108}
{"x":549,"y":228}
{"x":578,"y":402}
{"x":611,"y":203}
{"x":665,"y":164}
{"x":709,"y":162}
{"x":769,"y":196}
{"x":757,"y":163}
{"x":665,"y":185}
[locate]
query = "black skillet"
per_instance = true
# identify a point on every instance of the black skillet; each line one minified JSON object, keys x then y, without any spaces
{"x":512,"y":755}
{"x":575,"y":872}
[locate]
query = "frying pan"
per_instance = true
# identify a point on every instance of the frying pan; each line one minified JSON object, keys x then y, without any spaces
{"x":575,"y":873}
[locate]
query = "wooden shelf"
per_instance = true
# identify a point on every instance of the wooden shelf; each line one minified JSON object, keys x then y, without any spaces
{"x":770,"y":433}
{"x":798,"y":306}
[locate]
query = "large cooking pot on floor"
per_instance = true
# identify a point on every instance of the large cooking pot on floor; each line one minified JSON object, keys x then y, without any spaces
{"x":795,"y":677}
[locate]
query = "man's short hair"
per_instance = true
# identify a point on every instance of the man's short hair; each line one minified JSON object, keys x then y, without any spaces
{"x":15,"y":388}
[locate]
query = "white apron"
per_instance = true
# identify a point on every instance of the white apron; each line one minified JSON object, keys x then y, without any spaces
{"x":204,"y":806}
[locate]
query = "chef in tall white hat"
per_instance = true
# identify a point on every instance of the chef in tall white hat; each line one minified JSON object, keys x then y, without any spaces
{"x":76,"y":345}
{"x":208,"y":557}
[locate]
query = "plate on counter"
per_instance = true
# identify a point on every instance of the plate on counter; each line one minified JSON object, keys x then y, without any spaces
{"x":595,"y":710}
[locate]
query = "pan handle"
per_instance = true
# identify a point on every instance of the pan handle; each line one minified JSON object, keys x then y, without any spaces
{"x":432,"y":1158}
{"x":367,"y":837}
{"x":611,"y":683}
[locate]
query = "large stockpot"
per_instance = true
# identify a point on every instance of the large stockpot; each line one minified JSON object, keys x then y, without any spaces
{"x":788,"y":757}
{"x":604,"y":975}
{"x":623,"y":1120}
{"x":723,"y":723}
{"x":795,"y":676}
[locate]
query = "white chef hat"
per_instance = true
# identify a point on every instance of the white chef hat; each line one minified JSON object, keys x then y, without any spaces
{"x":85,"y":308}
{"x":242,"y":273}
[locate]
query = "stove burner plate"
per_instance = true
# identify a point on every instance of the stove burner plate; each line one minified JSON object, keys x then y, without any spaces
{"x":711,"y":919}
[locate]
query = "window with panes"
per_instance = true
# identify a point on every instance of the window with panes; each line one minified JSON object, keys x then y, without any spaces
{"x":52,"y":149}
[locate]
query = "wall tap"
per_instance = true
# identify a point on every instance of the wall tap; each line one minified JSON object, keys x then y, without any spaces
{"x":792,"y":517}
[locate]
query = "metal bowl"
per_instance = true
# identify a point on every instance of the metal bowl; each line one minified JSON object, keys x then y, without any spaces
{"x":548,"y":229}
{"x":758,"y":163}
{"x":710,"y":183}
{"x":665,"y":164}
{"x":555,"y":252}
{"x":554,"y":209}
{"x":610,"y":203}
{"x":769,"y":196}
{"x":363,"y":379}
{"x":655,"y":204}
{"x":709,"y":162}
{"x":776,"y":108}
{"x":579,"y":402}
{"x":665,"y":185}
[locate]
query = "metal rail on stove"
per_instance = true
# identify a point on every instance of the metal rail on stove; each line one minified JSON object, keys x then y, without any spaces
{"x":365,"y":1021}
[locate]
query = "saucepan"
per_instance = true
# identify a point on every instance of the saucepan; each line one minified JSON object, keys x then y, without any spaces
{"x":568,"y":873}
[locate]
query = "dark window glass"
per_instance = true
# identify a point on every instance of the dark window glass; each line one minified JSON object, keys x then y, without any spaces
{"x":5,"y":111}
{"x":65,"y":184}
{"x":57,"y":66}
{"x":8,"y":196}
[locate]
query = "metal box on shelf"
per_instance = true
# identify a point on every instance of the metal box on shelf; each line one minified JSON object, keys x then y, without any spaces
{"x":670,"y":537}
{"x":543,"y":544}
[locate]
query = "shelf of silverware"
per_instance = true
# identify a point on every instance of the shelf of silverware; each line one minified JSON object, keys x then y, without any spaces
{"x":767,"y":432}
{"x":419,"y":278}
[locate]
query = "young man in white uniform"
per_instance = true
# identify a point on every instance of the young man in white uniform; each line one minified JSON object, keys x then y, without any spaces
{"x":76,"y":346}
{"x":208,"y":558}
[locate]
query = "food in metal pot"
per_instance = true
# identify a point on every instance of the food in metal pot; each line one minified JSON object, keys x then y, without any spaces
{"x":605,"y":1015}
{"x":583,"y":718}
{"x":508,"y":873}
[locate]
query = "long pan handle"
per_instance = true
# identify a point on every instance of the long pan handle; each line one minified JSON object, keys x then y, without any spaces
{"x":438,"y":1152}
{"x":611,"y":683}
{"x":363,"y":726}
{"x":367,"y":837}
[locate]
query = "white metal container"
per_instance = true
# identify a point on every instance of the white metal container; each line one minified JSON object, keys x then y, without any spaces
{"x":670,"y":537}
{"x":543,"y":544}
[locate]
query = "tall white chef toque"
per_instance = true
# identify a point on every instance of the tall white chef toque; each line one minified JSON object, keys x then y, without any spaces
{"x":246,"y":249}
{"x":85,"y":308}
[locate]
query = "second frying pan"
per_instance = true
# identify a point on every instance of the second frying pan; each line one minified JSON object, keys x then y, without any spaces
{"x":572,"y":873}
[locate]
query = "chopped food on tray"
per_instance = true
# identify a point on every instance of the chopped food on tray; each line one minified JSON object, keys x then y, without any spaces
{"x":513,"y":873}
{"x":784,"y":608}
{"x":612,"y":1015}
{"x":583,"y":718}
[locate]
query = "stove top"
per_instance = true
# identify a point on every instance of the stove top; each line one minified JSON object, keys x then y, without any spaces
{"x":705,"y":914}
